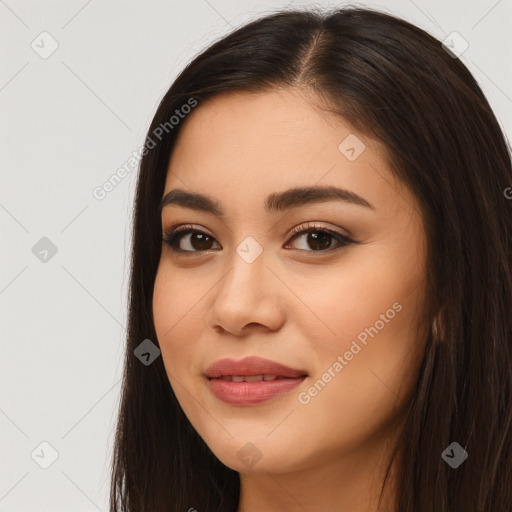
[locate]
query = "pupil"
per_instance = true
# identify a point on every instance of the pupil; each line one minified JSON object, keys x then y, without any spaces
{"x":317,"y":240}
{"x":202,"y":241}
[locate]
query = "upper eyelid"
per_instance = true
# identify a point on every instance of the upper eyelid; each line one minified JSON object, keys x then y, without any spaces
{"x":313,"y":225}
{"x":186,"y":228}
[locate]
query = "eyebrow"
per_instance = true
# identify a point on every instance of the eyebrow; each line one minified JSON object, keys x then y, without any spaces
{"x":274,"y":203}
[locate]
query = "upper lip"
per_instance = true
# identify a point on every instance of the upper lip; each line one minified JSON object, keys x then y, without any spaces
{"x":251,"y":365}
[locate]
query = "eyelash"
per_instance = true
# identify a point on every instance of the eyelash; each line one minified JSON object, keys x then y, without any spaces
{"x":173,"y":237}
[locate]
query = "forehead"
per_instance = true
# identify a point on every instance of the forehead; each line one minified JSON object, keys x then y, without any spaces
{"x":241,"y":146}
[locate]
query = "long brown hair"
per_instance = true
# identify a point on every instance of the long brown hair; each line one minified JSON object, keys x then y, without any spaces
{"x":393,"y":82}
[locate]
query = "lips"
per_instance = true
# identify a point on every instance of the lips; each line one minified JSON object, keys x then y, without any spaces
{"x":251,"y":366}
{"x":252,"y":380}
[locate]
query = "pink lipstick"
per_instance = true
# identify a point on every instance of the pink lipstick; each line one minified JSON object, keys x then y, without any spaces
{"x":251,"y":380}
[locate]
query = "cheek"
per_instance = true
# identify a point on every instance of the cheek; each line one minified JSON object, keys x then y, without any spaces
{"x":350,"y":400}
{"x":370,"y":294}
{"x":373,"y":311}
{"x":178,"y":321}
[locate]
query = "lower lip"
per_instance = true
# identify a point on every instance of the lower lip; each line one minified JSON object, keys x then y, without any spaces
{"x":251,"y":393}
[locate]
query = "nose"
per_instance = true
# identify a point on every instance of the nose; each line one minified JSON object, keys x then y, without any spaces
{"x":247,"y":298}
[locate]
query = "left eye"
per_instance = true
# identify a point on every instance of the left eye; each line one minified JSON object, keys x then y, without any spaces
{"x":190,"y":240}
{"x":321,"y":239}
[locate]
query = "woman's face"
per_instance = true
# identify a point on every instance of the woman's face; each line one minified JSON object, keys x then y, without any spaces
{"x":343,"y":313}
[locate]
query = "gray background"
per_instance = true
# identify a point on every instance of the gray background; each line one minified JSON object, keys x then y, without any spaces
{"x":68,"y":122}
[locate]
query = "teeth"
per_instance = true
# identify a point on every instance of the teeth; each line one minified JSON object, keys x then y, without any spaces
{"x":253,"y":378}
{"x":248,"y":378}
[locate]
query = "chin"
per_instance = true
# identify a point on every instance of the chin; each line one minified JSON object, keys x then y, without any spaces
{"x":256,"y":455}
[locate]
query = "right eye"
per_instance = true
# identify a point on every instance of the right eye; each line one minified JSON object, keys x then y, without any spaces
{"x":186,"y":239}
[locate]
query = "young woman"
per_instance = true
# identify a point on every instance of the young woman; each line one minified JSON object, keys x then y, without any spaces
{"x":322,"y":253}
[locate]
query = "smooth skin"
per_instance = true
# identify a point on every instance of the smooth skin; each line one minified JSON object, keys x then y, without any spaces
{"x":300,"y":302}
